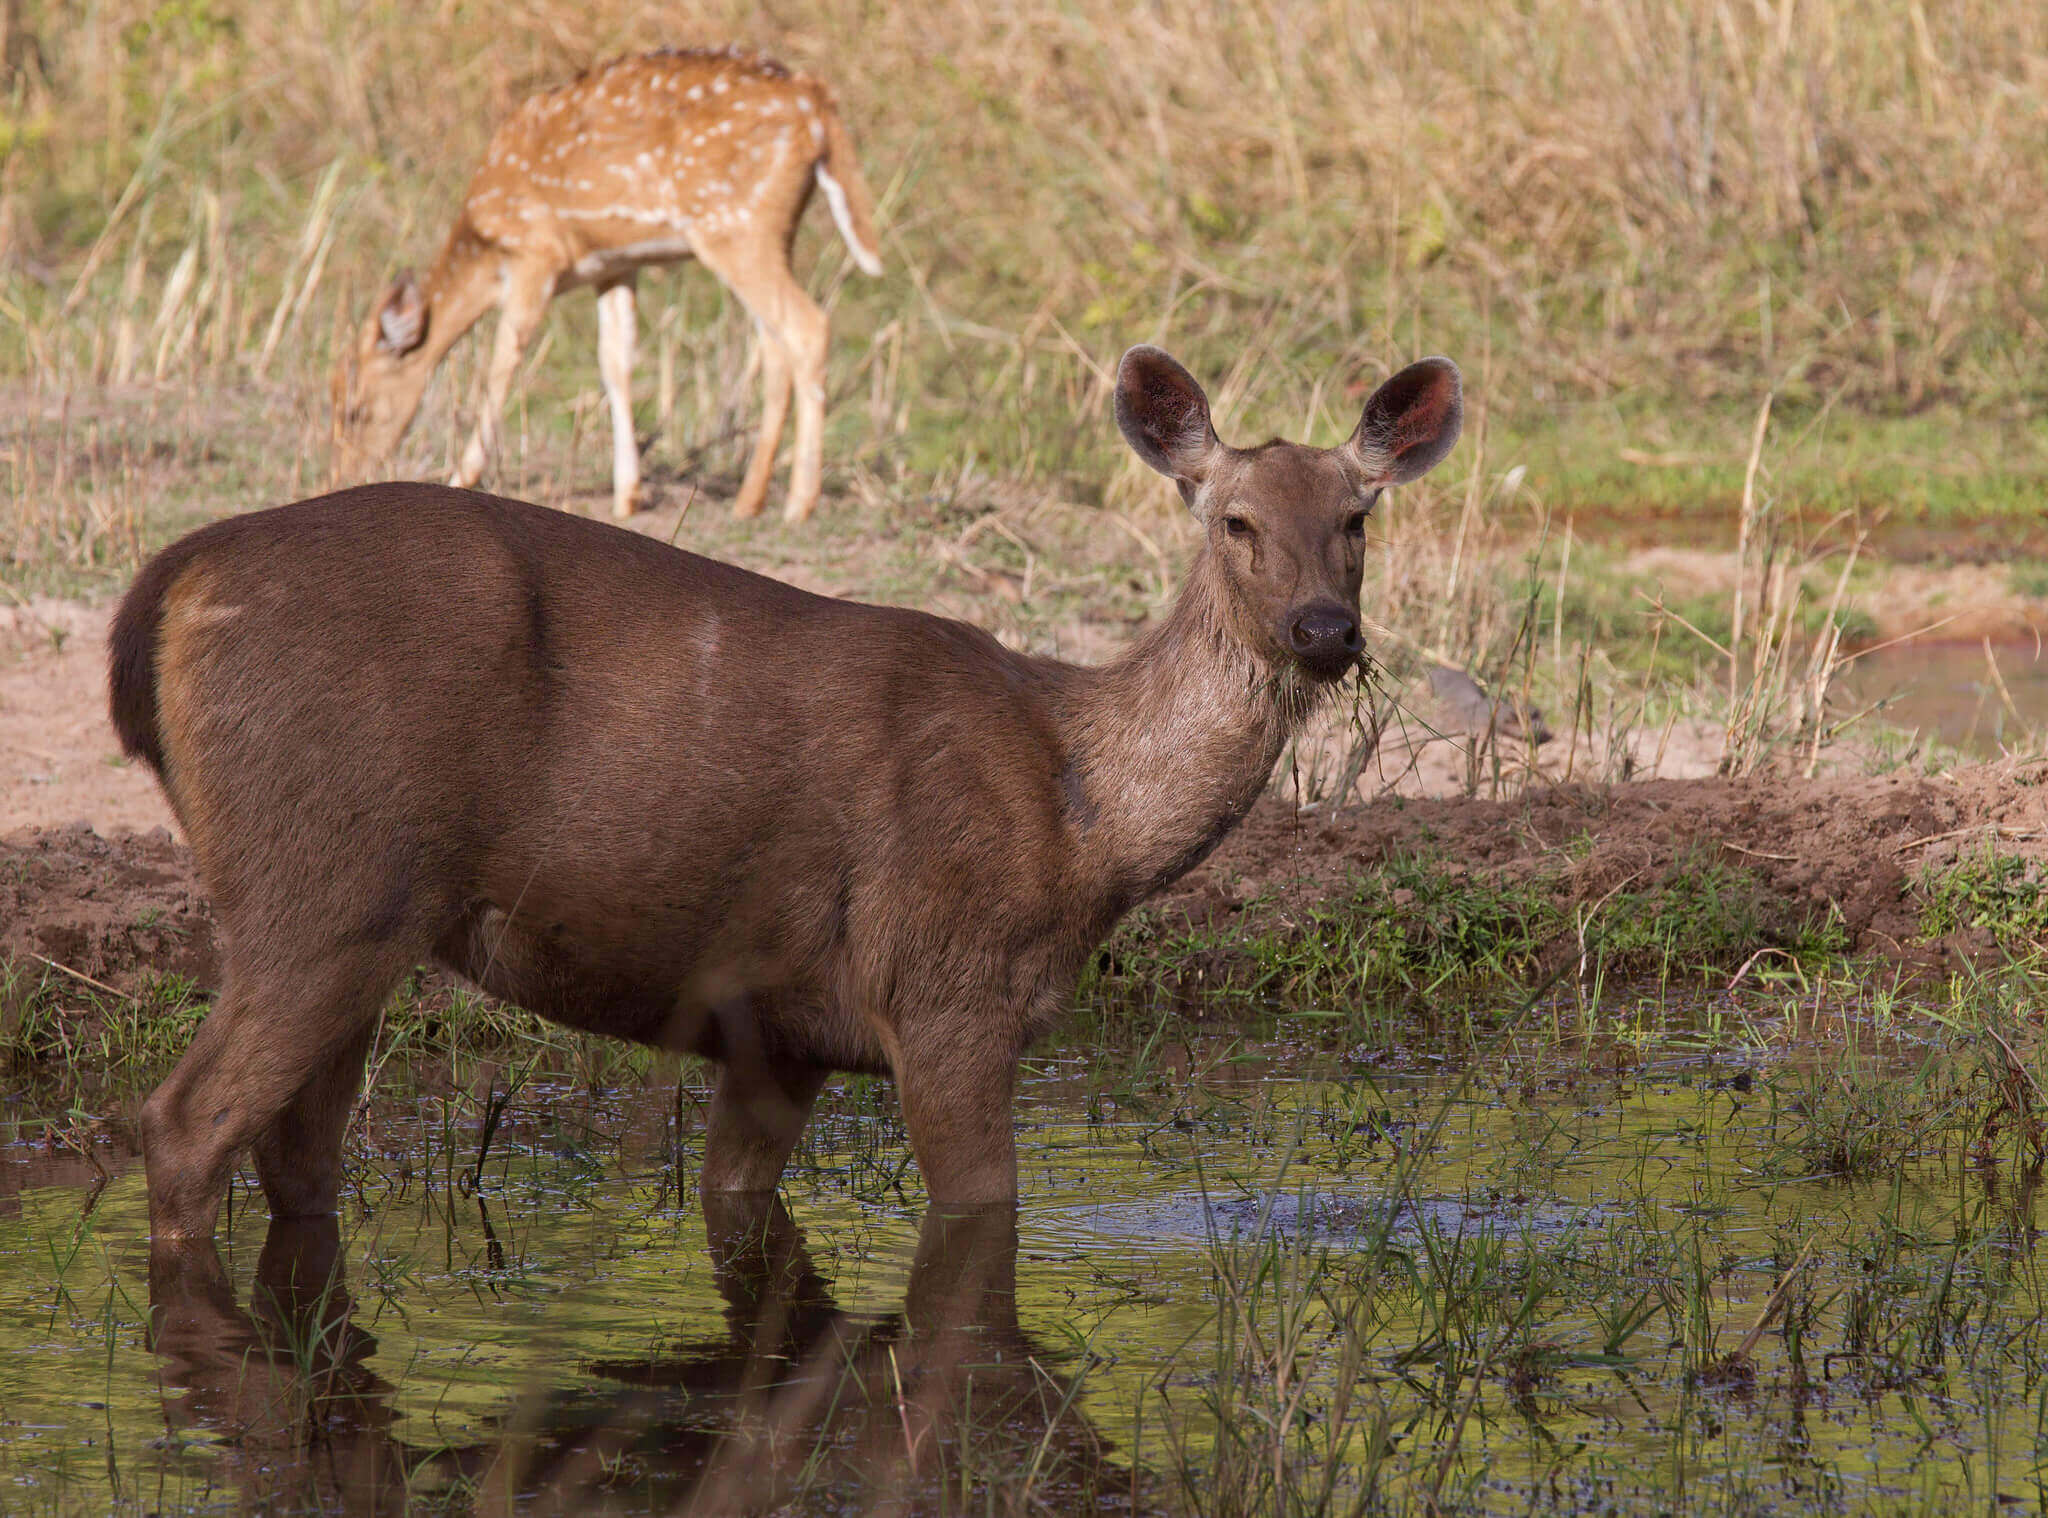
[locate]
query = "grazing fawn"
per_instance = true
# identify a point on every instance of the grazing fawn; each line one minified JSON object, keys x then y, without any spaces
{"x":652,"y":795}
{"x":648,"y":160}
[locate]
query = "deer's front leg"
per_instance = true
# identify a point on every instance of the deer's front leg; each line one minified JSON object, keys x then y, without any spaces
{"x":526,"y":300}
{"x":956,"y":1093}
{"x":615,"y":318}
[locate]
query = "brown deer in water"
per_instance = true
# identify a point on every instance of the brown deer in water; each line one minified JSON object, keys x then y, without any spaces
{"x":656,"y":796}
{"x":646,"y":160}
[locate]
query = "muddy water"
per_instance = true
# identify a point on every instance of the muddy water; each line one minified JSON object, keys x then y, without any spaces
{"x":1953,"y":693}
{"x":1514,"y":1289}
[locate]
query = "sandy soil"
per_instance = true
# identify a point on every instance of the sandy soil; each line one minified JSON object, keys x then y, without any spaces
{"x":1854,"y":840}
{"x":1955,"y":602}
{"x":59,"y":760}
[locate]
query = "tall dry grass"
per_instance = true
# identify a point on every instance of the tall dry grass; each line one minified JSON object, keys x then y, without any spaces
{"x":1679,"y":198}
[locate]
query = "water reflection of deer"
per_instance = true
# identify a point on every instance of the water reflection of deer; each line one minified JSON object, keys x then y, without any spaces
{"x":799,"y":1405}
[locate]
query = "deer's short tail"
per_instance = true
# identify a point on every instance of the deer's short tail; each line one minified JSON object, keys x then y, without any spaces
{"x":846,"y":192}
{"x":131,"y":652}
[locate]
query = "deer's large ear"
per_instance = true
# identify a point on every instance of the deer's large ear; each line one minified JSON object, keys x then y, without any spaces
{"x":1410,"y":423}
{"x":402,"y":318}
{"x":1164,"y":416}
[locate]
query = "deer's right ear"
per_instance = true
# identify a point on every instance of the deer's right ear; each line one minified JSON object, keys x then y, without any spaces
{"x":1164,"y":416}
{"x":402,"y":319}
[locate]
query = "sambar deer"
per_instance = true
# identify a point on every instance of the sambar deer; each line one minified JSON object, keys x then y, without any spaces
{"x":646,"y":160}
{"x":652,"y":795}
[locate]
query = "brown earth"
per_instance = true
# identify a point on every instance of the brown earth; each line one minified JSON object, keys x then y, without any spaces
{"x":114,"y":908}
{"x":1855,"y":841}
{"x":105,"y":908}
{"x":59,"y":760}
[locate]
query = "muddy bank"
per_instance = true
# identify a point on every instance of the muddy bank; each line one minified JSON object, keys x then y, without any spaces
{"x":1862,"y":846}
{"x":119,"y":908}
{"x":113,"y":909}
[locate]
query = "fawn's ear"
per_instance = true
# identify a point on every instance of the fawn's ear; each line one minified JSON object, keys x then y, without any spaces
{"x":1164,"y":416}
{"x":1410,"y":423}
{"x":402,"y":319}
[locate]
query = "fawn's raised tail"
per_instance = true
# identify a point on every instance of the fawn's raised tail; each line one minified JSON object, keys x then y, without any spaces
{"x":846,"y":193}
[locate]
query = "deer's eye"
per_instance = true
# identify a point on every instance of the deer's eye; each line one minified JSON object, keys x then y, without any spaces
{"x":1355,"y":524}
{"x":1237,"y":526}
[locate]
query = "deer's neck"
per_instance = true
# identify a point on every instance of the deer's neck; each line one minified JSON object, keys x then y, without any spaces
{"x":1171,"y":744}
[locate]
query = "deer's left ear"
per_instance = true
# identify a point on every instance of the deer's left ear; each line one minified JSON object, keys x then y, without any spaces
{"x":402,"y":318}
{"x":1410,"y":423}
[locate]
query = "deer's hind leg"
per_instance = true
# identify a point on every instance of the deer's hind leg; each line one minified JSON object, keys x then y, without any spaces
{"x":774,"y":412}
{"x":298,"y":1157}
{"x":793,"y":331}
{"x":276,"y":1064}
{"x":804,"y":330}
{"x":758,"y":1112}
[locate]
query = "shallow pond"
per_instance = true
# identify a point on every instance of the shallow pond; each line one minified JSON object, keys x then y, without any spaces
{"x":1242,"y":1279}
{"x":1954,"y":693}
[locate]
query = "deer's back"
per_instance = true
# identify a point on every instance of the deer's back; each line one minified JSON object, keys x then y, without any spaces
{"x":661,"y":143}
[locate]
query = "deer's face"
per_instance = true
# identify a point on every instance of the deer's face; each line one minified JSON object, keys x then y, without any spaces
{"x":377,"y":387}
{"x":1287,"y":523}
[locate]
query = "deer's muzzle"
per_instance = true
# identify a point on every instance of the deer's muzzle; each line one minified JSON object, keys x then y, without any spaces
{"x":1323,"y":637}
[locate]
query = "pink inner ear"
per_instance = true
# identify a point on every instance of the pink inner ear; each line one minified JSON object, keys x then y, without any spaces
{"x":1422,"y":422}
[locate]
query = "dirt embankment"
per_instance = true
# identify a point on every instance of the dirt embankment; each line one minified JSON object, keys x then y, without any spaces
{"x":109,"y":908}
{"x":1857,"y":842}
{"x":114,"y":908}
{"x":1849,"y":839}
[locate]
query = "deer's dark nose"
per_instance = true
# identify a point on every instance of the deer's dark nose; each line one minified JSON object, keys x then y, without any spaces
{"x":1325,"y":639}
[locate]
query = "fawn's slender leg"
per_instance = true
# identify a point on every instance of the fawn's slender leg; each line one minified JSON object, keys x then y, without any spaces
{"x":615,"y":319}
{"x":774,"y":412}
{"x":799,"y":329}
{"x":527,"y":290}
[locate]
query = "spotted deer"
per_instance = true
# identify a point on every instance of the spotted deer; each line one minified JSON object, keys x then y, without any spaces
{"x":647,"y":160}
{"x":656,"y":796}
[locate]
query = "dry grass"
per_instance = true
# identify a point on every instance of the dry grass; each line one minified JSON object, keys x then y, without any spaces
{"x":1621,"y":197}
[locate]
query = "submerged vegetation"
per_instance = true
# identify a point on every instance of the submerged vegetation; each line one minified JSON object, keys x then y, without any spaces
{"x":1767,"y":1248}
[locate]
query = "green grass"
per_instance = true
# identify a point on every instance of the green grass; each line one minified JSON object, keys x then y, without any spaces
{"x":1418,"y":942}
{"x":1629,"y":226}
{"x":1419,"y":939}
{"x":1997,"y":894}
